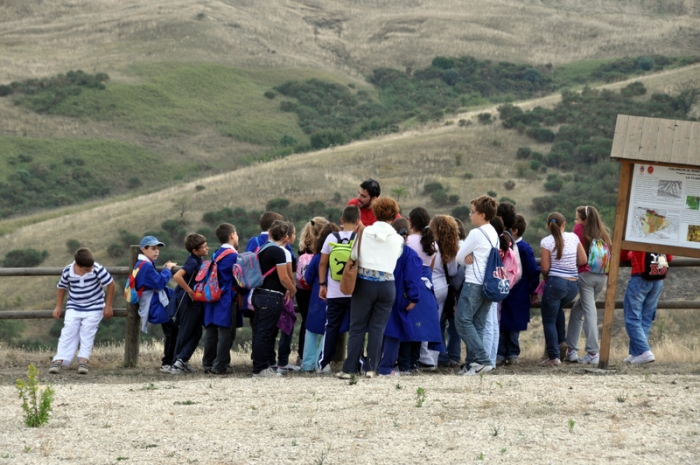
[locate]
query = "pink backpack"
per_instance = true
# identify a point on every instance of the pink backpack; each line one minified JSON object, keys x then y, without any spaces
{"x":512,"y":266}
{"x":302,"y":265}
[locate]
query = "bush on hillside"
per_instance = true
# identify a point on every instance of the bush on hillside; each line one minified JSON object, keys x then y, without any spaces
{"x":24,"y":258}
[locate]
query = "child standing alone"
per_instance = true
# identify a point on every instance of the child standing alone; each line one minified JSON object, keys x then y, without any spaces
{"x":85,"y":308}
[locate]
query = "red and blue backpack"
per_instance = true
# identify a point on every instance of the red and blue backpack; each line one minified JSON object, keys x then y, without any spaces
{"x":206,"y":288}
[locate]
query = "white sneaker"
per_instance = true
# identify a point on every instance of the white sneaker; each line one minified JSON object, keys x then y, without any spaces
{"x":288,"y":367}
{"x":628,"y":359}
{"x":165,"y":368}
{"x":183,"y":366}
{"x":589,"y":359}
{"x":572,"y":356}
{"x":370,"y":374}
{"x":478,"y":370}
{"x":325,"y":370}
{"x":646,"y":357}
{"x":266,"y":373}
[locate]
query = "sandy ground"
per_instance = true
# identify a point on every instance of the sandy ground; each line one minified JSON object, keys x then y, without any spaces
{"x":526,"y":414}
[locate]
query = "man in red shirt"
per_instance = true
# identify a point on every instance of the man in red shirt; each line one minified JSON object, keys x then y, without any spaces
{"x":369,"y":191}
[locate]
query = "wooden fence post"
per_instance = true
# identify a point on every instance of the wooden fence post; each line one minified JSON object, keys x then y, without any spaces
{"x":132,"y":332}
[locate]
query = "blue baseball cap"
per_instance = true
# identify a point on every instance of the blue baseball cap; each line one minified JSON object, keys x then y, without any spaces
{"x":150,"y":241}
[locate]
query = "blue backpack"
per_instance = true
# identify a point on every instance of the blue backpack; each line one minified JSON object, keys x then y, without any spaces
{"x":496,"y":283}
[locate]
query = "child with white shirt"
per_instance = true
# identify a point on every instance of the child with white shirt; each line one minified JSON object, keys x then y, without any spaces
{"x":84,"y":279}
{"x":473,"y":307}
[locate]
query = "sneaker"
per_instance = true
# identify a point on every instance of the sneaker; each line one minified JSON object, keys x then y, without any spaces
{"x":174,"y":370}
{"x":590,"y":359}
{"x":646,"y":357}
{"x":165,"y":368}
{"x":405,"y":373}
{"x":513,"y":361}
{"x":478,"y":370}
{"x":628,"y":359}
{"x":206,"y":370}
{"x":370,"y":374}
{"x":55,"y":367}
{"x":83,"y":369}
{"x":266,"y":373}
{"x":325,"y":370}
{"x":343,"y":375}
{"x":215,"y":372}
{"x":550,"y":362}
{"x":500,"y":362}
{"x":426,"y":367}
{"x":572,"y":356}
{"x":183,"y":366}
{"x":288,"y":367}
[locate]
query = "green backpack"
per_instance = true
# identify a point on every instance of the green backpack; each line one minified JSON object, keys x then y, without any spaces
{"x":340,"y":253}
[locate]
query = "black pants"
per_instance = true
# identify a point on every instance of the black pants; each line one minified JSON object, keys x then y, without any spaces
{"x":218,"y":342}
{"x":190,"y":331}
{"x":170,"y":330}
{"x":336,"y":311}
{"x":268,"y":308}
{"x":303,"y":297}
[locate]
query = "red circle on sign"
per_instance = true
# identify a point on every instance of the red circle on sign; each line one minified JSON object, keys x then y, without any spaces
{"x":650,"y":170}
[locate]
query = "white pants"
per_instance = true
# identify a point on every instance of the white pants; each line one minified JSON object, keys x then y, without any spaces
{"x":491,"y":333}
{"x":78,"y":328}
{"x":427,"y":356}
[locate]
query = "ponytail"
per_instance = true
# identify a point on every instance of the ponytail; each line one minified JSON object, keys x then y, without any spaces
{"x":554,"y":223}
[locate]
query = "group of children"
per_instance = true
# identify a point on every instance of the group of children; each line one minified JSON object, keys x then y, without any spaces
{"x":439,"y":281}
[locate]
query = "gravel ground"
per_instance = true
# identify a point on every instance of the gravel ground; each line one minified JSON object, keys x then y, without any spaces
{"x":574,"y":414}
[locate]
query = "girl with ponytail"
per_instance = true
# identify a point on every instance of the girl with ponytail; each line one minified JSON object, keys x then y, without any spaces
{"x":562,"y":254}
{"x":589,"y":227}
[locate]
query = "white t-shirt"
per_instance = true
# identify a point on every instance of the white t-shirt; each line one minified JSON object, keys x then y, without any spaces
{"x":565,"y":267}
{"x":333,"y":289}
{"x":479,"y":244}
{"x":413,"y":241}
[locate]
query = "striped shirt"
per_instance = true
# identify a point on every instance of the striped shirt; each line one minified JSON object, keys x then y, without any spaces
{"x":565,"y":267}
{"x":85,"y":292}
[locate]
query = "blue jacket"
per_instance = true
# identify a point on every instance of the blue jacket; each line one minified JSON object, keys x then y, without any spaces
{"x":515,"y":311}
{"x":219,"y":313}
{"x":149,"y":279}
{"x":316,"y":317}
{"x":421,"y":323}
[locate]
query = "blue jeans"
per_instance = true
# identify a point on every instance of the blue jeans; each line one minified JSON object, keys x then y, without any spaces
{"x":452,"y":342}
{"x":508,"y":345}
{"x":558,"y":293}
{"x":470,"y":319}
{"x":641,"y":299}
{"x":268,"y":308}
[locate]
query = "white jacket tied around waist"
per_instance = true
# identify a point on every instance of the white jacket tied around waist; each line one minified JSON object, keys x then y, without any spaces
{"x":380,"y":248}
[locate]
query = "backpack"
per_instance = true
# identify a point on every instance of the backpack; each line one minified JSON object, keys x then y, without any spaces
{"x":131,"y":294}
{"x":496,"y":284}
{"x":340,"y":253}
{"x":512,"y":266}
{"x":302,"y":265}
{"x":246,"y":270}
{"x":655,"y":266}
{"x":599,"y":257}
{"x":515,"y":249}
{"x":206,"y":287}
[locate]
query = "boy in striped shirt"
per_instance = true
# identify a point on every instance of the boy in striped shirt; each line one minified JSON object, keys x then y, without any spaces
{"x":84,"y":279}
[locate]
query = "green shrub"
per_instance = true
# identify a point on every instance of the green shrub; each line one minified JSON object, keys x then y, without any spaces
{"x":507,"y":199}
{"x":36,"y":401}
{"x":468,"y":176}
{"x":327,"y":138}
{"x":24,"y":258}
{"x":270,"y":94}
{"x":484,"y":118}
{"x":134,"y":183}
{"x":116,"y":250}
{"x":72,"y":245}
{"x":432,"y":187}
{"x":523,"y":153}
{"x":461,"y":212}
{"x":491,"y":194}
{"x":277,"y":204}
{"x":509,"y":185}
{"x":440,"y":197}
{"x":453,"y":199}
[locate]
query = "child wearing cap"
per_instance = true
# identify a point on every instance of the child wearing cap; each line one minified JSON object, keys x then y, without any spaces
{"x":84,"y":279}
{"x":156,"y":295}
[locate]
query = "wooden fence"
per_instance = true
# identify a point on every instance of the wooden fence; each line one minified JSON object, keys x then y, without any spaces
{"x":132,"y":330}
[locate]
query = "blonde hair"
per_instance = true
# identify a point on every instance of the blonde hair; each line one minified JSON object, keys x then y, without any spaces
{"x":310,"y":233}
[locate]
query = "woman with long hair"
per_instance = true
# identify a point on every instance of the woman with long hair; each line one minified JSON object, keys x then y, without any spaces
{"x":562,"y":254}
{"x":589,"y":228}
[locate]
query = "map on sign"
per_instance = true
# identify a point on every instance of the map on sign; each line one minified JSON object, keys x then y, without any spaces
{"x":652,"y":223}
{"x":664,"y":206}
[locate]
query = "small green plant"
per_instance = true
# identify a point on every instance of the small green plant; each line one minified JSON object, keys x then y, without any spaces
{"x":185,"y":402}
{"x":572,"y":423}
{"x":398,"y":386}
{"x":294,"y":442}
{"x":120,"y":458}
{"x":353,"y":380}
{"x":480,"y":456}
{"x":621,"y":397}
{"x":420,"y":397}
{"x":503,"y":451}
{"x":495,"y":429}
{"x":36,"y":402}
{"x":27,"y":449}
{"x":149,"y":387}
